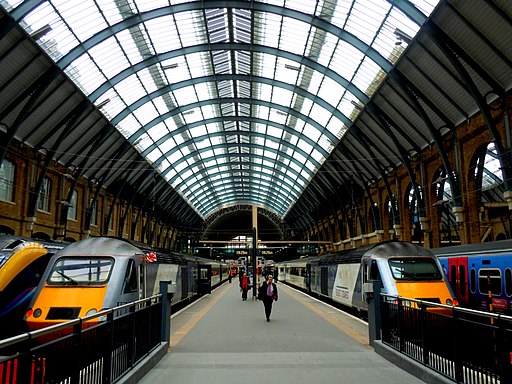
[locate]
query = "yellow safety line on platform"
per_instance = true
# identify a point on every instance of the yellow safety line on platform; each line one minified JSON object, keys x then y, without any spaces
{"x":180,"y":333}
{"x":357,"y":336}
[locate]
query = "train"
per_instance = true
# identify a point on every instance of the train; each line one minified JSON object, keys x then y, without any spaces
{"x":480,"y":274}
{"x":22,"y":264}
{"x":102,"y":273}
{"x":345,"y":277}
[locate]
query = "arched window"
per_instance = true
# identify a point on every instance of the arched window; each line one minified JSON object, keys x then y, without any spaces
{"x":444,"y":202}
{"x":7,"y":171}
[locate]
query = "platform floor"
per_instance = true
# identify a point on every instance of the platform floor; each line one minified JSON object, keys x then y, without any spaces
{"x":222,"y":340}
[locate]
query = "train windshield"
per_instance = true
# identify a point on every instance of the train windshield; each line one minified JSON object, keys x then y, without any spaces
{"x":414,"y":269}
{"x":80,"y":271}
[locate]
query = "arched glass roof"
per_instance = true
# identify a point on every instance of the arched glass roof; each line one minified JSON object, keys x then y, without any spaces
{"x":238,"y":105}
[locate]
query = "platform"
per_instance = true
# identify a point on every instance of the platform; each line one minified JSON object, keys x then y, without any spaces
{"x":222,"y":339}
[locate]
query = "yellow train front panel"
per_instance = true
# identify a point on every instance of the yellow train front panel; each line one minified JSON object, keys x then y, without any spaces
{"x":57,"y":304}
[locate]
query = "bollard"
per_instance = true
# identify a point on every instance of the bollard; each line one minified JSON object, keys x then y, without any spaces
{"x":167,"y":289}
{"x":373,"y":301}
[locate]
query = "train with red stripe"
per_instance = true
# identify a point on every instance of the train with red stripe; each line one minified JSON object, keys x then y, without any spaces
{"x":480,"y":274}
{"x":102,"y":273}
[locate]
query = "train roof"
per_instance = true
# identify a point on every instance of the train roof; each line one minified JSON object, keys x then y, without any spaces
{"x":499,"y":246}
{"x":100,"y":246}
{"x":391,"y":248}
{"x":307,"y":259}
{"x":10,"y":242}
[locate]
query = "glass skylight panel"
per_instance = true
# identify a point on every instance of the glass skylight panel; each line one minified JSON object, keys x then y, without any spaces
{"x":306,"y":6}
{"x":282,"y":96}
{"x":337,"y":128}
{"x":277,"y":116}
{"x":154,"y":155}
{"x":164,"y":35}
{"x":185,"y":95}
{"x":188,"y":26}
{"x":366,"y":75}
{"x":126,"y":89}
{"x":166,"y":145}
{"x":269,"y":27}
{"x":363,"y":27}
{"x":315,"y":82}
{"x":161,"y":105}
{"x":331,"y":91}
{"x":128,"y":126}
{"x":320,"y":115}
{"x":84,"y":17}
{"x":146,"y":113}
{"x":426,"y":6}
{"x":292,"y":32}
{"x":205,"y":91}
{"x":86,"y":74}
{"x":158,"y":131}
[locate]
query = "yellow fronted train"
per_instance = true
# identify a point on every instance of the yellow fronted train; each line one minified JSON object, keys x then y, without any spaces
{"x":101,"y":273}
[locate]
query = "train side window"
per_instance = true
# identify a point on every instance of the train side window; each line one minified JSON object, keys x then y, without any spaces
{"x":130,"y":279}
{"x":489,"y":280}
{"x":462,"y":280}
{"x":508,"y":281}
{"x":473,"y":280}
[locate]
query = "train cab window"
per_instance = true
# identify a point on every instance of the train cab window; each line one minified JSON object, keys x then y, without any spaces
{"x":130,"y":279}
{"x":489,"y":280}
{"x":80,"y":271}
{"x":508,"y":281}
{"x":414,"y":269}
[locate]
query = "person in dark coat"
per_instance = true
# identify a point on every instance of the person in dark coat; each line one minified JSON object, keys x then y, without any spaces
{"x":268,"y":294}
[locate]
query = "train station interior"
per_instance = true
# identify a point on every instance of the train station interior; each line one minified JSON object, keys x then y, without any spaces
{"x":160,"y":158}
{"x":312,"y":126}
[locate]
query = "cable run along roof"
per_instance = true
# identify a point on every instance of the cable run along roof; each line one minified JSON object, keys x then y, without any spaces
{"x":238,"y":105}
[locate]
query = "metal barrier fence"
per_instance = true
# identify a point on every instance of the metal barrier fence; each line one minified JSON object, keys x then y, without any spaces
{"x":96,"y":349}
{"x":464,"y":345}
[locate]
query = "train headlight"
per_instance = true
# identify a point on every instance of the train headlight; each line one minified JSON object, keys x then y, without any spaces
{"x":91,"y":312}
{"x":449,"y":302}
{"x":37,"y":313}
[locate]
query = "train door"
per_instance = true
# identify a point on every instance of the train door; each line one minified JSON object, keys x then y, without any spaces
{"x":205,"y":279}
{"x":308,"y":277}
{"x":458,"y":277}
{"x":186,"y":271}
{"x":324,"y":281}
{"x":142,"y":281}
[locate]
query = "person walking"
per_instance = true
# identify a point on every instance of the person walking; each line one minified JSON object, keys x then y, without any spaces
{"x":244,"y":286}
{"x":230,"y":275}
{"x":268,"y":294}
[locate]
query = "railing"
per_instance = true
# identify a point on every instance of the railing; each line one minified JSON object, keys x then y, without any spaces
{"x":100,"y":348}
{"x":464,"y":345}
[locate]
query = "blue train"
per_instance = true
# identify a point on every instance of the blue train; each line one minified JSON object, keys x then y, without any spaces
{"x":480,"y":274}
